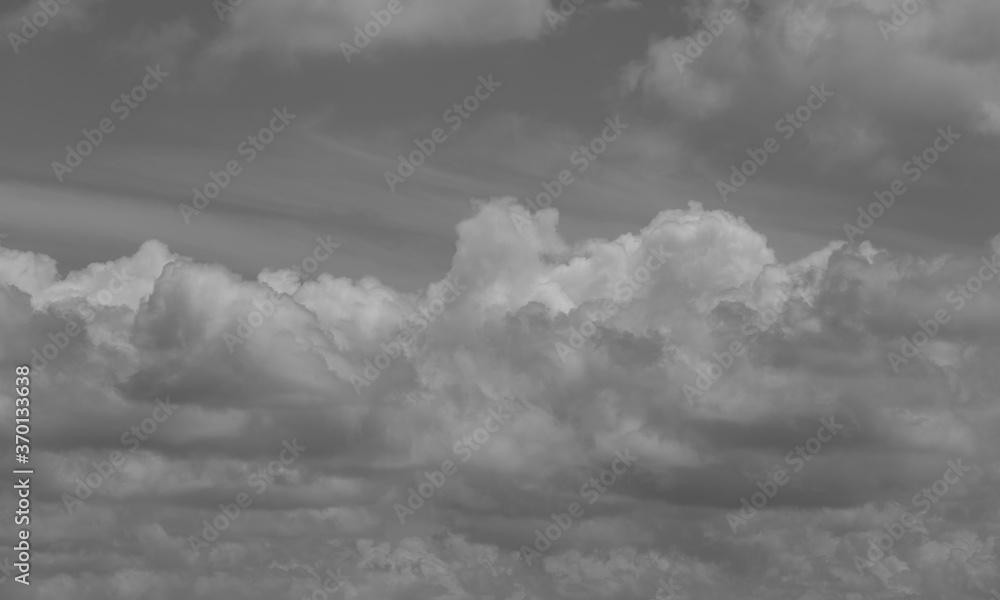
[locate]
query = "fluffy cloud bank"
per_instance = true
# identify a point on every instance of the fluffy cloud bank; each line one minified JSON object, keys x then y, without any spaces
{"x":898,"y":74}
{"x":553,"y":420}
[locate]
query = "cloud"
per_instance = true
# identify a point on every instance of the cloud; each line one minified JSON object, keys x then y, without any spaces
{"x":816,"y":334}
{"x":304,"y":28}
{"x":77,"y":15}
{"x":733,"y":78}
{"x":158,"y":46}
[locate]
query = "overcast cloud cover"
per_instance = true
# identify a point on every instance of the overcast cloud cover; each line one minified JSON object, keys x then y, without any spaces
{"x":685,"y":378}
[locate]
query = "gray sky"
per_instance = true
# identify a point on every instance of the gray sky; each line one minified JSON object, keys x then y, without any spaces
{"x":326,"y":174}
{"x":793,"y":194}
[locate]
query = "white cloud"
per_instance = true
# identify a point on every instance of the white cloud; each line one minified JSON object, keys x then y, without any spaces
{"x":939,"y":67}
{"x":822,"y":352}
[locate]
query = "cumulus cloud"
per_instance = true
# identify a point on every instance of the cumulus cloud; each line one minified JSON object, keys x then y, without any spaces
{"x":897,"y":76}
{"x":565,"y":355}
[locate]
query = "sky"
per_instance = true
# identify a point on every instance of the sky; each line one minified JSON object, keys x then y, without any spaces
{"x":675,"y":244}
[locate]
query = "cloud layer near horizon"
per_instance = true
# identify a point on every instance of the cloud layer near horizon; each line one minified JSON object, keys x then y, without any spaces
{"x":817,"y":333}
